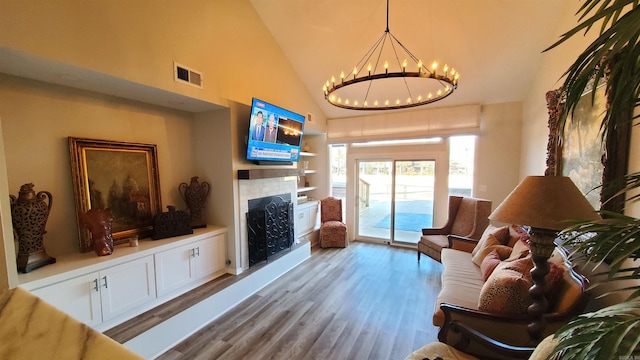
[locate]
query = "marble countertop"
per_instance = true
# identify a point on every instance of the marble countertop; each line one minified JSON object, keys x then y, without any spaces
{"x":32,"y":329}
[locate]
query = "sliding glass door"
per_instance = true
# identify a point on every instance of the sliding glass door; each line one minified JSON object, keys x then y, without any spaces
{"x":395,"y":199}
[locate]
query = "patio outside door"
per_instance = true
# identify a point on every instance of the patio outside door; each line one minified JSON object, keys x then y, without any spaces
{"x":395,"y":199}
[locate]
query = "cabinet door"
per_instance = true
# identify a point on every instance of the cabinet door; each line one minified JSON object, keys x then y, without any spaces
{"x":78,"y":297}
{"x":212,"y":255}
{"x":127,"y":286}
{"x":302,"y":221}
{"x":174,"y":269}
{"x":314,"y":219}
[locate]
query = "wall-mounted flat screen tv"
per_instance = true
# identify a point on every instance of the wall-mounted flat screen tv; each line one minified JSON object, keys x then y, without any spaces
{"x":275,"y":134}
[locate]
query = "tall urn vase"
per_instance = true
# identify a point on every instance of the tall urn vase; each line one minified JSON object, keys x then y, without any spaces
{"x":29,"y":213}
{"x":194,"y":195}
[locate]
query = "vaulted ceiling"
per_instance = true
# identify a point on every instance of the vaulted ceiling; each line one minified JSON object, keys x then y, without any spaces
{"x":495,"y":45}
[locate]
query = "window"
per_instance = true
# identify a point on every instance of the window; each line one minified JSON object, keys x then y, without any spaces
{"x":461,"y":160}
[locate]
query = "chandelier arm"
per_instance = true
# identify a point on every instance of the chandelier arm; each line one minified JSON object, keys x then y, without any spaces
{"x":360,"y":64}
{"x":413,"y":57}
{"x":395,"y":52}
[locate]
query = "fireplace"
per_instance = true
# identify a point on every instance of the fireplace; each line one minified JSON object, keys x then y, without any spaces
{"x":270,"y":227}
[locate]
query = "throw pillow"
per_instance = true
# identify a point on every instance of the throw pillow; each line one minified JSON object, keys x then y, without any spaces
{"x":554,"y":283}
{"x":520,"y":249}
{"x":516,"y":232}
{"x":500,"y":233}
{"x":503,"y":251}
{"x":506,"y":291}
{"x":489,"y":264}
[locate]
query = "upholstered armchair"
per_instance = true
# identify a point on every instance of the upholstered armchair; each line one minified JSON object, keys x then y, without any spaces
{"x":333,"y":232}
{"x":468,"y":217}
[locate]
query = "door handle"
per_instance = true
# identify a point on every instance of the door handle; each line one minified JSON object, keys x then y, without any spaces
{"x":95,"y":284}
{"x":104,"y":278}
{"x":198,"y":249}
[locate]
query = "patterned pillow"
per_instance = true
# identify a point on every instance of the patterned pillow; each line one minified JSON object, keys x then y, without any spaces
{"x":506,"y":291}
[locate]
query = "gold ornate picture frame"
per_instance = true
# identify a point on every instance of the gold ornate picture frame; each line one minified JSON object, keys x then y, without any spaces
{"x":120,"y":176}
{"x":579,"y":152}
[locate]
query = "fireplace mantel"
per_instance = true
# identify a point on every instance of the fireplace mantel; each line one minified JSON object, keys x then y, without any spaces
{"x":252,"y":174}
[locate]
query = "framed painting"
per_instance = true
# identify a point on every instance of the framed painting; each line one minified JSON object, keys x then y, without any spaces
{"x":580,"y":153}
{"x":120,"y":176}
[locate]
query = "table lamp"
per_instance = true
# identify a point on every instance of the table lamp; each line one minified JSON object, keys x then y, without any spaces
{"x":544,"y":203}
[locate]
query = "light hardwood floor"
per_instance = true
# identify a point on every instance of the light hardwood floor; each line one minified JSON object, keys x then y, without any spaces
{"x":367,"y":301}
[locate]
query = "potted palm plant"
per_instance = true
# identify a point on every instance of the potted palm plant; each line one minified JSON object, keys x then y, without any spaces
{"x":612,"y":332}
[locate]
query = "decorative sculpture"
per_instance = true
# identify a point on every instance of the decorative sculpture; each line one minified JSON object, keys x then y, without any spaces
{"x":171,"y":223}
{"x":194,"y":195}
{"x":29,"y":213}
{"x":99,"y":222}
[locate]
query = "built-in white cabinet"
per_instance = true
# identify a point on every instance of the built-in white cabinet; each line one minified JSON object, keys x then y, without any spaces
{"x":126,"y":287}
{"x":182,"y":266}
{"x":108,"y":290}
{"x":103,"y":295}
{"x":307,"y":221}
{"x":79,"y":297}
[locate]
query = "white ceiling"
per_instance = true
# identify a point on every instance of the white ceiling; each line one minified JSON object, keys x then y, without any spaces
{"x":495,"y":45}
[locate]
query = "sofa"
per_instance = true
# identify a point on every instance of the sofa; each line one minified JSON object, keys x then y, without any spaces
{"x":485,"y":287}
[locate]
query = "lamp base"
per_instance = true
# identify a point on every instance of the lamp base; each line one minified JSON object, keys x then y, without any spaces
{"x":542,"y":246}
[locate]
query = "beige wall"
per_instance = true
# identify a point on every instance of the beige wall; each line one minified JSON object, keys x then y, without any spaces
{"x":498,"y":151}
{"x":548,"y":77}
{"x":223,"y":39}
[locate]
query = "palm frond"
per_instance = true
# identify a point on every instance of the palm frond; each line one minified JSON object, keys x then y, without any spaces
{"x":601,"y":334}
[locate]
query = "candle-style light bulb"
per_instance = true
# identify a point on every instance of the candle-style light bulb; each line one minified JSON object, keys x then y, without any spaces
{"x":366,"y":103}
{"x":376,"y":103}
{"x":355,"y":103}
{"x":333,"y":80}
{"x":339,"y":100}
{"x":369,"y":68}
{"x":439,"y":92}
{"x":386,"y":66}
{"x":346,"y":101}
{"x":397,"y":101}
{"x":445,"y":69}
{"x":419,"y":98}
{"x":408,"y":100}
{"x":386,"y":103}
{"x":355,"y":72}
{"x":342,"y":76}
{"x":404,"y":65}
{"x":332,"y":98}
{"x":434,"y":67}
{"x":419,"y":66}
{"x":429,"y":96}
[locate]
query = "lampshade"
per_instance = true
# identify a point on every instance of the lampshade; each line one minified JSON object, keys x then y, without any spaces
{"x":544,"y":202}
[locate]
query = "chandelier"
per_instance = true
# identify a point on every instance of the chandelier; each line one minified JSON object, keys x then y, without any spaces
{"x":398,"y":84}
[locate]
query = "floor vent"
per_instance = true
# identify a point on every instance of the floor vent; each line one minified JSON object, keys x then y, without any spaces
{"x":184,"y":74}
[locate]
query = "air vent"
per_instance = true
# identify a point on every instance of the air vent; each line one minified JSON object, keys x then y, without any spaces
{"x":187,"y":75}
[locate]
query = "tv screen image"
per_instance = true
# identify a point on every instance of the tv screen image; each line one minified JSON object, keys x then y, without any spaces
{"x":275,"y":134}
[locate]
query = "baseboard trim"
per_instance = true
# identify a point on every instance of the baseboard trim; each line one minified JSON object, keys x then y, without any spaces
{"x":162,"y":337}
